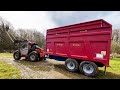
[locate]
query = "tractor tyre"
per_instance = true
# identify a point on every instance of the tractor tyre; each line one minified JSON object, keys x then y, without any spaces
{"x":17,"y":55}
{"x":33,"y":56}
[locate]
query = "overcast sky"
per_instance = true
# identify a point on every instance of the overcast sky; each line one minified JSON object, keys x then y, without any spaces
{"x":43,"y":20}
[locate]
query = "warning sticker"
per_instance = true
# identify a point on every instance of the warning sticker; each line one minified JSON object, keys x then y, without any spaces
{"x":103,"y":52}
{"x":99,"y":55}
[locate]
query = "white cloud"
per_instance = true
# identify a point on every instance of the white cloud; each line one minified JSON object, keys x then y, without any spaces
{"x":114,"y":19}
{"x":71,"y":17}
{"x":38,"y":20}
{"x":43,"y":20}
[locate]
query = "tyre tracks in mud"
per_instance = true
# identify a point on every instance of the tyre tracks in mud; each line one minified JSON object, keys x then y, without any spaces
{"x":48,"y":69}
{"x":27,"y":73}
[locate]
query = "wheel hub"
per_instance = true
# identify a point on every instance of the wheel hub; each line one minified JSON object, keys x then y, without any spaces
{"x":32,"y":57}
{"x":16,"y":55}
{"x":88,"y":68}
{"x":71,"y":65}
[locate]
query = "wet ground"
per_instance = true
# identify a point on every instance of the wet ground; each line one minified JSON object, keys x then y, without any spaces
{"x":49,"y":69}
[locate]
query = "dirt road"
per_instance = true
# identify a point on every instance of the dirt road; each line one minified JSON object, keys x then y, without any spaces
{"x":45,"y":69}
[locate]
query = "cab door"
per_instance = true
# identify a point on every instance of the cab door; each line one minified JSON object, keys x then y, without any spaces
{"x":24,"y":49}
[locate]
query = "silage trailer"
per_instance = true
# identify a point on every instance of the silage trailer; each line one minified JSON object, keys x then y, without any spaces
{"x":83,"y":46}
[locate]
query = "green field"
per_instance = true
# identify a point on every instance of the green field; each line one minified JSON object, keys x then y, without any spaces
{"x":113,"y":72}
{"x":8,"y":71}
{"x":6,"y":54}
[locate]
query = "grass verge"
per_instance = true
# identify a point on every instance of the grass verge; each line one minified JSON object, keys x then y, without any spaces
{"x":8,"y":71}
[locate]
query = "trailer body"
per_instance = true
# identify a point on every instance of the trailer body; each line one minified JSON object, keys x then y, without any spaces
{"x":89,"y":41}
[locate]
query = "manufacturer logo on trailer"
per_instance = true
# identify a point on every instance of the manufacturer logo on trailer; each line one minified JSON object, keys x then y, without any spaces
{"x":76,"y":44}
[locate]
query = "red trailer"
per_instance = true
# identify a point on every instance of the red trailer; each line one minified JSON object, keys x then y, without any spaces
{"x":84,"y":46}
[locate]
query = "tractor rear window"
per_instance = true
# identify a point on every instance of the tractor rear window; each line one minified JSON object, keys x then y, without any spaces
{"x":25,"y":45}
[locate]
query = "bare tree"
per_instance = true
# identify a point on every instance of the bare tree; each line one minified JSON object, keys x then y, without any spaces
{"x":5,"y":42}
{"x":115,"y":45}
{"x":32,"y":35}
{"x":116,"y":35}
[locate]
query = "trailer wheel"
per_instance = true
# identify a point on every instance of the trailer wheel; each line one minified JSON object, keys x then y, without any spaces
{"x":88,"y":68}
{"x":33,"y":56}
{"x":71,"y":65}
{"x":17,"y":55}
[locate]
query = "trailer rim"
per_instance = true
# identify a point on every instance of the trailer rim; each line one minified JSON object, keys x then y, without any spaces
{"x":88,"y":68}
{"x":71,"y":65}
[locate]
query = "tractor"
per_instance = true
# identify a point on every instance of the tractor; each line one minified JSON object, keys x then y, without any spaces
{"x":30,"y":50}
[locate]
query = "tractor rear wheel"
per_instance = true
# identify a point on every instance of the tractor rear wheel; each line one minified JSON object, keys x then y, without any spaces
{"x":17,"y":55}
{"x":33,"y":56}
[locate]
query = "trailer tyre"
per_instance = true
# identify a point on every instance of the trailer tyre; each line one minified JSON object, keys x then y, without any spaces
{"x":88,"y":68}
{"x":71,"y":65}
{"x":17,"y":55}
{"x":33,"y":56}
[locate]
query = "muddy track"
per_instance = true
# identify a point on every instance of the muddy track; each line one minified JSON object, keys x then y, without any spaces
{"x":27,"y":72}
{"x":48,"y":69}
